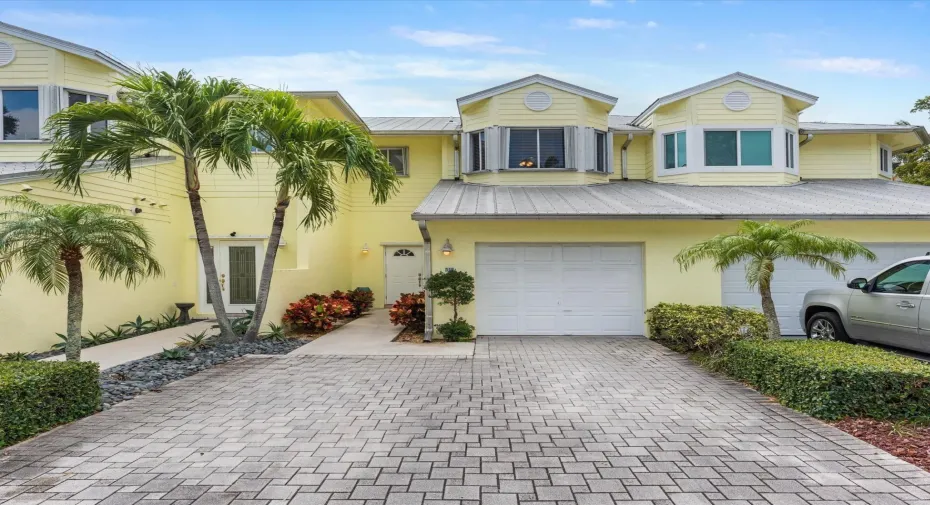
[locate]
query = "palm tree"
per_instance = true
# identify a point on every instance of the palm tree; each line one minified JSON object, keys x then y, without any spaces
{"x":310,"y":155}
{"x":764,"y":243}
{"x":158,"y":112}
{"x":50,"y":241}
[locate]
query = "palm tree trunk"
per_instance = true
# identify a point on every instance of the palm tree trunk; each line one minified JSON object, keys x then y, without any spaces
{"x":768,"y":308}
{"x":75,"y":306}
{"x":209,"y":266}
{"x":264,"y":286}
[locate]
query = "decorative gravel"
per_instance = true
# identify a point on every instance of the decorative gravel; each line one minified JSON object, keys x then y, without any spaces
{"x":126,"y":381}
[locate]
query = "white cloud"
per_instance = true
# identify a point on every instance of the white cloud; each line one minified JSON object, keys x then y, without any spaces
{"x":601,"y":3}
{"x":64,"y":19}
{"x":459,"y":40}
{"x":850,"y":65}
{"x":700,"y":46}
{"x":652,"y":24}
{"x":595,"y":23}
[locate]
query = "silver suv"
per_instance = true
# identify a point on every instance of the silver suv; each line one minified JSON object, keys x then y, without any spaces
{"x":886,"y":309}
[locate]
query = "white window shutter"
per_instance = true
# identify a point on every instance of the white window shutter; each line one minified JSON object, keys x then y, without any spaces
{"x":505,"y":148}
{"x":570,"y":146}
{"x":492,"y":142}
{"x":588,"y":149}
{"x":465,"y":152}
{"x":49,"y":103}
{"x":609,"y":151}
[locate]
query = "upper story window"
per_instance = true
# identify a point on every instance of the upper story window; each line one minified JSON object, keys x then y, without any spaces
{"x":676,"y":149}
{"x":536,"y":148}
{"x":600,"y":151}
{"x":479,"y":151}
{"x":789,"y":149}
{"x":884,"y":159}
{"x":737,"y":148}
{"x":20,"y":114}
{"x":397,"y":157}
{"x":81,"y":97}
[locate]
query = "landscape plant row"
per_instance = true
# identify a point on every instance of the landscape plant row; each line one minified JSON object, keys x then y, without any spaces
{"x":318,"y":313}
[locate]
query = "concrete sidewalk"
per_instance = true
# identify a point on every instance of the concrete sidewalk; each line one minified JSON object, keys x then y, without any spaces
{"x":131,"y":349}
{"x":372,"y":335}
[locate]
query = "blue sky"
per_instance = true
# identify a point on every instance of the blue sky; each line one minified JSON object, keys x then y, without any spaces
{"x":867,"y":61}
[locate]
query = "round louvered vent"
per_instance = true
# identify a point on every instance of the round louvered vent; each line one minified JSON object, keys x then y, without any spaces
{"x":7,"y":53}
{"x":537,"y":100}
{"x":737,"y":100}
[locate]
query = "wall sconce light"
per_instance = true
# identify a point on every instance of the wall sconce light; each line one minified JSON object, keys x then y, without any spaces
{"x":365,"y":248}
{"x":25,"y":188}
{"x":447,"y":248}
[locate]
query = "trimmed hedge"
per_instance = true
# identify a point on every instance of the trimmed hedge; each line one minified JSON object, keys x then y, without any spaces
{"x":706,"y":328}
{"x":38,"y":395}
{"x":833,"y":380}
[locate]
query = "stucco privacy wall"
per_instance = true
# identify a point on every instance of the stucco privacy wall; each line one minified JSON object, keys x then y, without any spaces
{"x":30,"y":318}
{"x":661,"y":240}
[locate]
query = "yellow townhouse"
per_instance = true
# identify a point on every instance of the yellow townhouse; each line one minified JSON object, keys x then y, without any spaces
{"x":567,"y":215}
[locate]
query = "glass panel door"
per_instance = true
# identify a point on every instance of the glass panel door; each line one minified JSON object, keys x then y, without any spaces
{"x":242,"y":275}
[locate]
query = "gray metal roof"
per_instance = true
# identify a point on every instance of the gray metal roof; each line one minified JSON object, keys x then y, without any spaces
{"x":12,"y":171}
{"x":817,"y":199}
{"x":70,"y":47}
{"x":414,"y":125}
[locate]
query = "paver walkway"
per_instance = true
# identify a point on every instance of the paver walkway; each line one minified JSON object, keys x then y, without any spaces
{"x":527,"y":420}
{"x":131,"y":349}
{"x":372,"y":335}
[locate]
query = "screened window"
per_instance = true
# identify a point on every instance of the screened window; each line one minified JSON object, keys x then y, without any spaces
{"x":676,"y":150}
{"x":884,"y":160}
{"x":75,"y":97}
{"x":737,"y":148}
{"x":479,"y":151}
{"x":600,"y":150}
{"x":397,"y":157}
{"x":789,"y":149}
{"x":537,"y":148}
{"x":20,"y":114}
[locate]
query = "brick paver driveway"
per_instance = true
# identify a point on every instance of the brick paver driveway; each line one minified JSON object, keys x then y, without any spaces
{"x":560,"y":420}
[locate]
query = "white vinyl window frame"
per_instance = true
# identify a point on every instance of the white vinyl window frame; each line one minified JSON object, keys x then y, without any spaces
{"x":790,"y":143}
{"x":17,"y":141}
{"x":696,"y":150}
{"x":600,"y":166}
{"x":66,"y":97}
{"x":739,"y":146}
{"x":677,"y":162}
{"x":884,"y":159}
{"x":385,"y":151}
{"x":479,"y":137}
{"x":538,"y":148}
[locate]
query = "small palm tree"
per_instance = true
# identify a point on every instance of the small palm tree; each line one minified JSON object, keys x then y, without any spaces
{"x":310,"y":155}
{"x":764,"y":243}
{"x":49,"y":243}
{"x":158,"y":112}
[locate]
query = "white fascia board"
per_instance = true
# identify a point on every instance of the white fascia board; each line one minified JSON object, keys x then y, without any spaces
{"x":536,"y":79}
{"x":68,"y":47}
{"x":734,"y":77}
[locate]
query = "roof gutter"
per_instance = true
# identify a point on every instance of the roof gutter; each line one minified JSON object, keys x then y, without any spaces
{"x":810,"y":136}
{"x":428,"y":268}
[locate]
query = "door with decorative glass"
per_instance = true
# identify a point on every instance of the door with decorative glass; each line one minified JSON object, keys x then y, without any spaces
{"x":238,"y":272}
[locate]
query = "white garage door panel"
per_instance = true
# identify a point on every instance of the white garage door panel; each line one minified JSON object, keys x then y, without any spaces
{"x":559,"y":289}
{"x":793,"y":280}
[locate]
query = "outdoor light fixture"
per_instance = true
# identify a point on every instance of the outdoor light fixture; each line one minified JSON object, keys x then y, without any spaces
{"x":25,"y":188}
{"x":365,"y":248}
{"x":447,"y":248}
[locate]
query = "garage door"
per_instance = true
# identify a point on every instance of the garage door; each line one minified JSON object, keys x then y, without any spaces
{"x":559,"y":289}
{"x":793,"y":280}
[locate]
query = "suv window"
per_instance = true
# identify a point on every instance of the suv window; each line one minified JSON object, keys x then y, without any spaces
{"x":906,"y":278}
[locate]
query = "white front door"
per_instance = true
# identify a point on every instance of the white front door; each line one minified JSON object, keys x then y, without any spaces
{"x":403,"y":271}
{"x":238,"y":266}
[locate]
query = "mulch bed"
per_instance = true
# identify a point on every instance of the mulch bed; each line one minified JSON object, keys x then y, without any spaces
{"x":416,"y":337}
{"x":906,"y":441}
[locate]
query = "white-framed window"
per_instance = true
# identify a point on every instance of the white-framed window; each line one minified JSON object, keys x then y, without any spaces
{"x":536,"y":148}
{"x":884,"y":159}
{"x":600,"y":151}
{"x":675,"y":146}
{"x":20,"y":113}
{"x":85,"y":97}
{"x":737,"y":148}
{"x":479,"y":151}
{"x":790,"y":137}
{"x":397,"y":157}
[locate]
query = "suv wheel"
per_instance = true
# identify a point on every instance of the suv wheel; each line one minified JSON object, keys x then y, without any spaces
{"x":826,"y":326}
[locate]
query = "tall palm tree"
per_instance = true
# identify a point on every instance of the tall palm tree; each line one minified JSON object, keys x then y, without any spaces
{"x":764,"y":243}
{"x":49,"y":243}
{"x":310,"y":156}
{"x":158,"y":112}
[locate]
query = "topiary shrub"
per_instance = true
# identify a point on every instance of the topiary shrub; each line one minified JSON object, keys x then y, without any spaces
{"x":38,"y":395}
{"x":455,"y":330}
{"x":453,"y":287}
{"x":706,"y":328}
{"x":409,"y":311}
{"x":832,"y":380}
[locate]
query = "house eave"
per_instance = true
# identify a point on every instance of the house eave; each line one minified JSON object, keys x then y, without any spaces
{"x":338,"y":101}
{"x":68,"y":47}
{"x":536,"y":79}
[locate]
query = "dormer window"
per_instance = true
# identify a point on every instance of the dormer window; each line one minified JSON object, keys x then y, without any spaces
{"x":536,"y":148}
{"x":479,"y":152}
{"x":20,"y":114}
{"x":737,"y":148}
{"x":600,"y":151}
{"x":884,"y":159}
{"x":676,"y":149}
{"x":81,"y":97}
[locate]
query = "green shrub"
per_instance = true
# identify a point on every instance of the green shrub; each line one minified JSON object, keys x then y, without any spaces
{"x":455,"y":330}
{"x":38,"y":395}
{"x":706,"y":328}
{"x":832,"y":380}
{"x":409,"y":311}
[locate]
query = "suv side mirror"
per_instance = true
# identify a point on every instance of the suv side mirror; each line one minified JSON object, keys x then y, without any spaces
{"x":858,"y":283}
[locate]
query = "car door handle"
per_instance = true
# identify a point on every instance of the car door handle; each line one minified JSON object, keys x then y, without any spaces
{"x":906,"y":305}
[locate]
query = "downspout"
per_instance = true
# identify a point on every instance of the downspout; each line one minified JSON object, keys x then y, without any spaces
{"x":626,"y":143}
{"x":810,"y":136}
{"x":428,"y":268}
